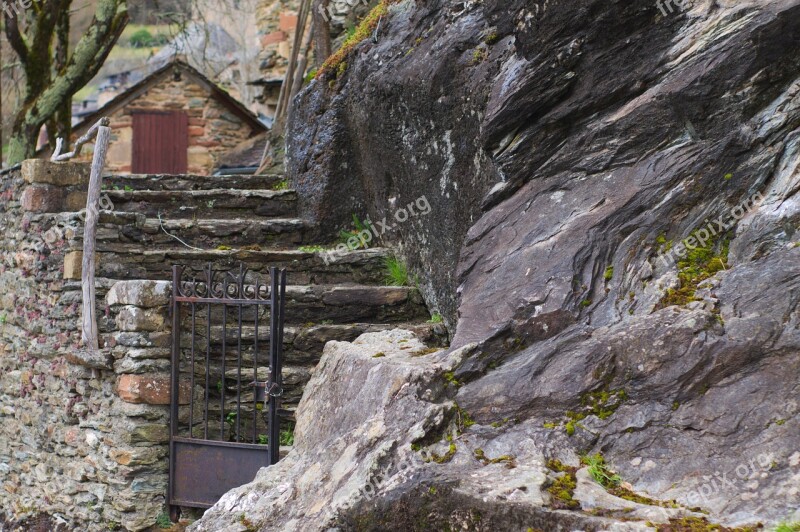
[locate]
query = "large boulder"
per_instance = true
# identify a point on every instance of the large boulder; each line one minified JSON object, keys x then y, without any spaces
{"x":380,"y":445}
{"x":612,"y":230}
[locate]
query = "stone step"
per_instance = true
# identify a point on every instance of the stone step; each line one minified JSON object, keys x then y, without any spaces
{"x":213,"y":203}
{"x":301,"y":344}
{"x":307,"y":305}
{"x":336,"y":304}
{"x":126,"y":262}
{"x":191,"y":182}
{"x":135,"y":228}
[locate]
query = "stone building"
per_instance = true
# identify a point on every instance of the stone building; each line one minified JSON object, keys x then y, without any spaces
{"x":173,"y":121}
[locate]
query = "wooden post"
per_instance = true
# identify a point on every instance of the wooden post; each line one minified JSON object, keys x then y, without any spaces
{"x":89,"y":335}
{"x":286,"y":86}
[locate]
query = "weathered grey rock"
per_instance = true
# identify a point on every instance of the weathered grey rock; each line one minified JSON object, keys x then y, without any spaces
{"x":133,"y":319}
{"x":100,"y":359}
{"x":346,"y":461}
{"x":561,"y":147}
{"x":146,"y":294}
{"x":60,"y":174}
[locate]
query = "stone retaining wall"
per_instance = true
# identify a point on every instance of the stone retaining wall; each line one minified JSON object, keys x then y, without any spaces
{"x":83,"y":440}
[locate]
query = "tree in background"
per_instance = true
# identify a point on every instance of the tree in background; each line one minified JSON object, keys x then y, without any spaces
{"x":53,"y":73}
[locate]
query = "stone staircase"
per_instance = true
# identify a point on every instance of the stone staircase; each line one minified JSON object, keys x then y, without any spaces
{"x":161,"y":220}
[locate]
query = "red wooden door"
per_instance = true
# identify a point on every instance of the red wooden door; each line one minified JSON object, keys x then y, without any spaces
{"x":160,"y":142}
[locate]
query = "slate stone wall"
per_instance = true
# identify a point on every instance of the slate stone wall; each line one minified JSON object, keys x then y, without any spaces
{"x":83,"y":440}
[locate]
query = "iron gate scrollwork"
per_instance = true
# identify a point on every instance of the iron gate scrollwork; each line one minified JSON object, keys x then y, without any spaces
{"x":224,"y":423}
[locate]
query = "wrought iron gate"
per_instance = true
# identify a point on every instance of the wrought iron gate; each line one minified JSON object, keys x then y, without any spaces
{"x":216,"y":438}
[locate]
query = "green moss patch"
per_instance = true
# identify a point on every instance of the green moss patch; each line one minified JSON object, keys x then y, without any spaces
{"x":444,"y":458}
{"x":612,"y":482}
{"x":507,"y":459}
{"x":336,"y":62}
{"x":562,"y":491}
{"x":602,"y":403}
{"x":698,"y":265}
{"x":697,"y":524}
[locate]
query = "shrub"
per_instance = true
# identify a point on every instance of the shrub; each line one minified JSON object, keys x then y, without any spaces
{"x":142,"y":39}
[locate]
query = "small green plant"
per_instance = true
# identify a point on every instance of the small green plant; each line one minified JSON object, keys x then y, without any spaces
{"x":492,"y":38}
{"x":609,"y":273}
{"x":3,"y":318}
{"x":451,"y":379}
{"x":287,"y":435}
{"x":263,"y":439}
{"x":435,"y":318}
{"x":600,"y":471}
{"x":788,"y":527}
{"x":586,"y":302}
{"x":728,"y":176}
{"x":163,"y":521}
{"x":463,"y":419}
{"x":310,"y":76}
{"x":283,"y":184}
{"x":479,"y":55}
{"x":351,"y":237}
{"x":379,"y":355}
{"x":396,"y":272}
{"x":128,"y":188}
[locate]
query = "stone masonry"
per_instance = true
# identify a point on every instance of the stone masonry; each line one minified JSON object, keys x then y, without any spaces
{"x":84,"y":440}
{"x":213,"y":128}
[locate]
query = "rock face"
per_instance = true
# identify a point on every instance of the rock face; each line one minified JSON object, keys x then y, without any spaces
{"x":613,"y":222}
{"x":348,"y":462}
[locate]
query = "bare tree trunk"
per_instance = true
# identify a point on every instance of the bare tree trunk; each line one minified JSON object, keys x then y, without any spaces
{"x":48,"y":95}
{"x":322,"y":32}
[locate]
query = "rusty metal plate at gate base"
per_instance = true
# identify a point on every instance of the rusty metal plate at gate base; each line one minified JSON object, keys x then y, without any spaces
{"x":205,"y":470}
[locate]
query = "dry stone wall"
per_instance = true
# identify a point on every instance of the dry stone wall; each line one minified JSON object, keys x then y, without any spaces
{"x":83,"y":442}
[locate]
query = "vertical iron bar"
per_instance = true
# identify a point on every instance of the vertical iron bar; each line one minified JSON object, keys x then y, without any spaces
{"x":174,"y":382}
{"x":191,"y":398}
{"x":224,"y":351}
{"x":274,"y":426}
{"x":239,"y":358}
{"x":208,"y":351}
{"x":255,"y":369}
{"x":208,"y":372}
